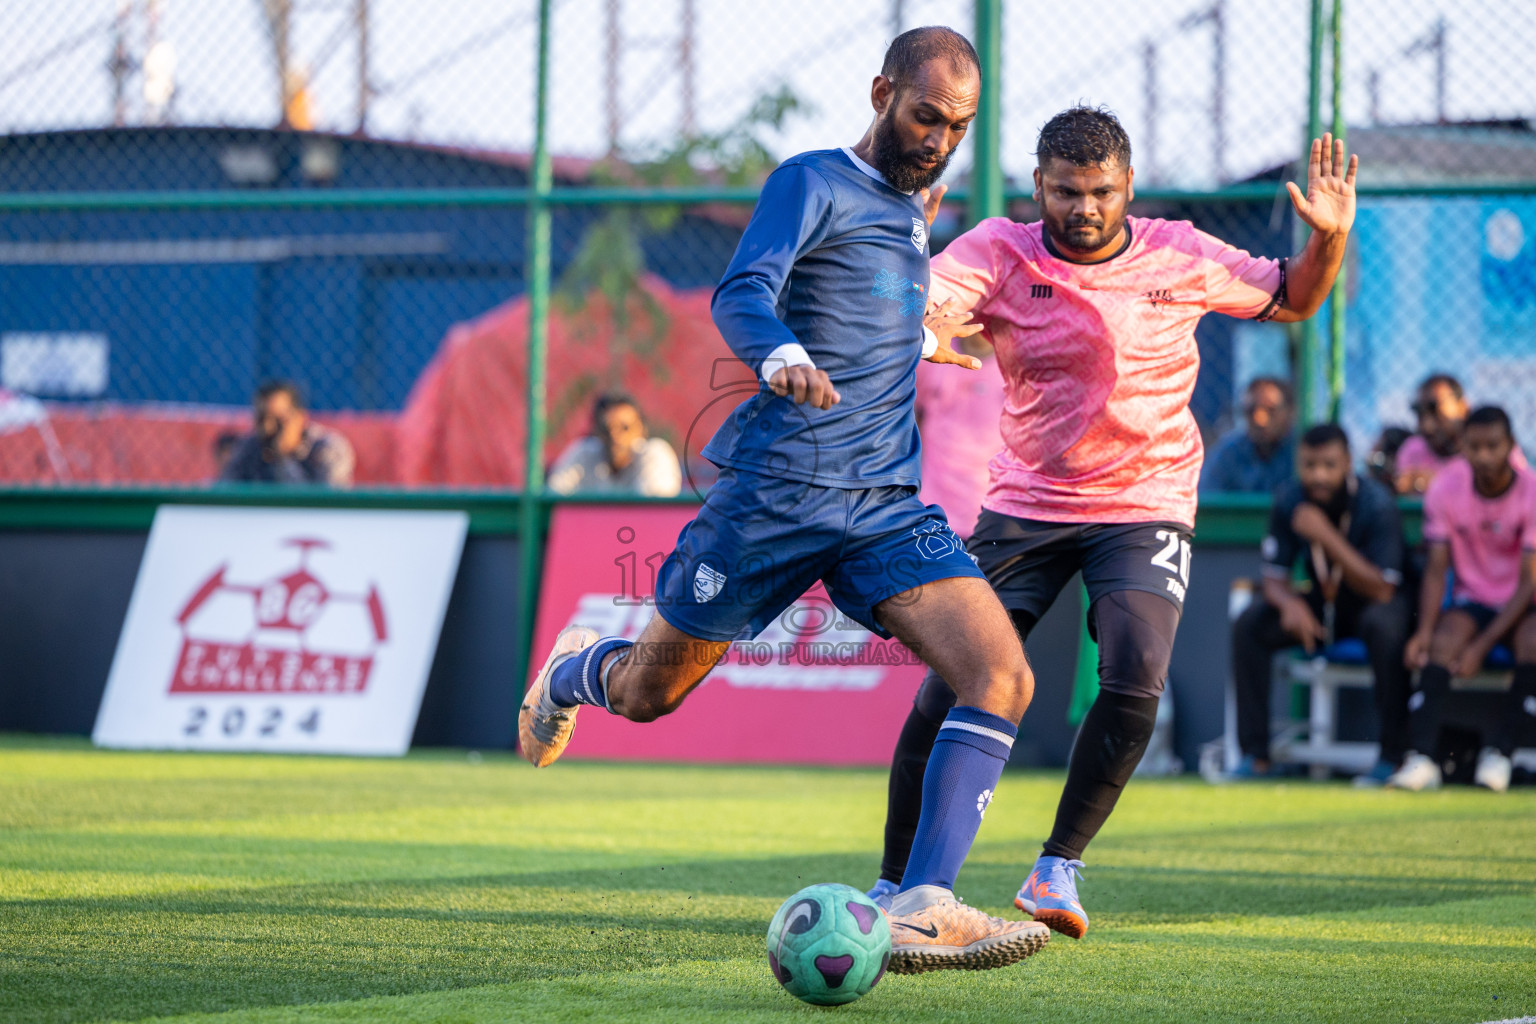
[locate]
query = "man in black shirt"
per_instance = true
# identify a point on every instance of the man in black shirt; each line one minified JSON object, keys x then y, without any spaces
{"x":1346,"y":531}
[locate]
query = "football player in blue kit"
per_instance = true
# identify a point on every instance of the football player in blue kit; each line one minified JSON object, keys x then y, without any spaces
{"x":826,"y":296}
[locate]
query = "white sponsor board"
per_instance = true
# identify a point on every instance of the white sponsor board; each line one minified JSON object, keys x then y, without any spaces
{"x":296,"y":630}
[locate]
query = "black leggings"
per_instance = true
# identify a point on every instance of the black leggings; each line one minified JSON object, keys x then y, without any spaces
{"x":1135,"y":631}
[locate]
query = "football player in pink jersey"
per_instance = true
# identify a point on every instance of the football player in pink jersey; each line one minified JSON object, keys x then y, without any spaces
{"x":1480,"y":523}
{"x":1093,"y":313}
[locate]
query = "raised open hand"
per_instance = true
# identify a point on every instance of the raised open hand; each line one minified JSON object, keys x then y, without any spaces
{"x":1329,"y":205}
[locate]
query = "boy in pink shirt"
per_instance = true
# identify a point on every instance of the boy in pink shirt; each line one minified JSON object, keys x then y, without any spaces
{"x":1480,"y":524}
{"x":1092,"y":314}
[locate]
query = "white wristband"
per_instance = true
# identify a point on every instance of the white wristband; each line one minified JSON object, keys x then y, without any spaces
{"x":930,"y":343}
{"x":786,"y":355}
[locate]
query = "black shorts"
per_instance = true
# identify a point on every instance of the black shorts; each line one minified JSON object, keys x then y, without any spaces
{"x":1028,"y":561}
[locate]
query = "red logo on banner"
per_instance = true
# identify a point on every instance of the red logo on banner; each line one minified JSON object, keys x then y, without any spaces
{"x":289,"y":634}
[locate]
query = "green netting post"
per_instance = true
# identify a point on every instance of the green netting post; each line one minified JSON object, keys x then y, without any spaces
{"x":986,"y":198}
{"x":537,"y":277}
{"x":1308,"y":342}
{"x":1336,"y":298}
{"x":1085,"y":681}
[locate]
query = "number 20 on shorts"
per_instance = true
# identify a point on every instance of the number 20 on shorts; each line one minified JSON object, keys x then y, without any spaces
{"x":1178,"y":574}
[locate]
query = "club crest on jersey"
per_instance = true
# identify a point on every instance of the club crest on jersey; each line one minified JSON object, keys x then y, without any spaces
{"x":1159,"y":297}
{"x":919,"y":233}
{"x":707,"y":583}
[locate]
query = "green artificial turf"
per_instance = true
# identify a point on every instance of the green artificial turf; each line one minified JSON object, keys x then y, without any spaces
{"x":453,"y":888}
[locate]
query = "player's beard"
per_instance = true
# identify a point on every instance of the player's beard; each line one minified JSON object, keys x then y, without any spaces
{"x":900,"y":168}
{"x":1087,"y":236}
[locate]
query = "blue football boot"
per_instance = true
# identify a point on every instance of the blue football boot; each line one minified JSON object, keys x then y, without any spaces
{"x":1049,"y":894}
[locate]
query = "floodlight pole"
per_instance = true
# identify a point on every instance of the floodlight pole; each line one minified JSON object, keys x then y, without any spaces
{"x":360,"y":14}
{"x":537,"y":272}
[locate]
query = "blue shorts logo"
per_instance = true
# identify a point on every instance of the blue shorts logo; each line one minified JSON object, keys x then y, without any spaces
{"x":935,"y":540}
{"x":707,"y":583}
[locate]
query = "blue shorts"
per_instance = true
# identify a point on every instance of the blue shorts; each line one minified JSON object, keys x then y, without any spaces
{"x":1482,"y":614}
{"x":760,"y":542}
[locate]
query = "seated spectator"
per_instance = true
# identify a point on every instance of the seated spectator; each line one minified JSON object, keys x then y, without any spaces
{"x":1346,"y":531}
{"x":1381,"y":464}
{"x":1442,"y":412}
{"x":224,"y":446}
{"x":287,"y":446}
{"x":1441,"y":408}
{"x":617,"y":457}
{"x":1480,"y":524}
{"x":1261,"y":455}
{"x":958,"y":415}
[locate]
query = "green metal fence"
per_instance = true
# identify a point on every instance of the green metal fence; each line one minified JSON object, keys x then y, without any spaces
{"x":456,"y":159}
{"x":455,"y":223}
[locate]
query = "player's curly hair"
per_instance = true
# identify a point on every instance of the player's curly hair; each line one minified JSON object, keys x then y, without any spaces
{"x":1084,"y":137}
{"x":915,"y":48}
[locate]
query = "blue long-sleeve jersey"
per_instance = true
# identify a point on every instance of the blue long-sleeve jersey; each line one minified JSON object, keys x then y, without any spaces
{"x":837,"y":262}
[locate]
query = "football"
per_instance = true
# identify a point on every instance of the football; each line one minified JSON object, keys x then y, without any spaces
{"x":829,"y":944}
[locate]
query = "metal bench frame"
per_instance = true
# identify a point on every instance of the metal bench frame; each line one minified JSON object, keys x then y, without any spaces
{"x":1314,"y":742}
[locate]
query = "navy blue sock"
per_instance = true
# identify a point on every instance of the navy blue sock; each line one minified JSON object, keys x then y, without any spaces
{"x":579,"y":680}
{"x":963,"y":770}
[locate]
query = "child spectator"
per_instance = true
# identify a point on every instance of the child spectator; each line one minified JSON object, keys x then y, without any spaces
{"x":1480,"y":524}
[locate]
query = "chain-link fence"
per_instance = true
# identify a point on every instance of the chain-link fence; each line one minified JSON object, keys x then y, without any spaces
{"x":201,"y":195}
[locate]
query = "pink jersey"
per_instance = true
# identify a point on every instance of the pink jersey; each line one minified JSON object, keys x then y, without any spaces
{"x":958,"y":412}
{"x":1416,"y":456}
{"x":1488,"y":536}
{"x":1099,"y":361}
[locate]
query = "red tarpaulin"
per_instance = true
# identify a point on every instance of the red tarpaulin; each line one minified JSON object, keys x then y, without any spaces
{"x":125,"y":444}
{"x":463,"y":424}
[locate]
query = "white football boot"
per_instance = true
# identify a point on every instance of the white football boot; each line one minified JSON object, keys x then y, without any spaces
{"x":1493,"y":770}
{"x":1417,"y":773}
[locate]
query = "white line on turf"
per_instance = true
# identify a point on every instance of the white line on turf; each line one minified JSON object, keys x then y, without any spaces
{"x":1513,"y":1020}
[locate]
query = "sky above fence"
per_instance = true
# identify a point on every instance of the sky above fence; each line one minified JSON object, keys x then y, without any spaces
{"x":460,"y":72}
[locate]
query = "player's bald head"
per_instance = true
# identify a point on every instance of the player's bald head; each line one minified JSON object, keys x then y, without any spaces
{"x":910,"y":54}
{"x":924,"y":99}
